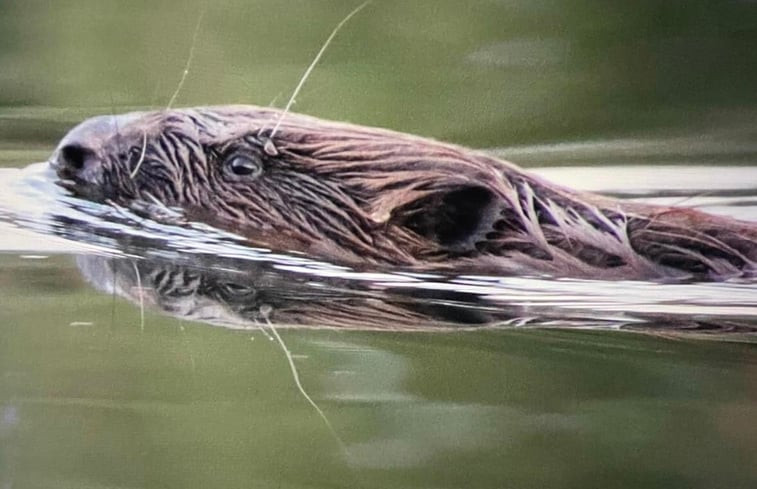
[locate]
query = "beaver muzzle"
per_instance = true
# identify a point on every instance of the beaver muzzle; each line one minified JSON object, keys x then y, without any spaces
{"x":78,"y":159}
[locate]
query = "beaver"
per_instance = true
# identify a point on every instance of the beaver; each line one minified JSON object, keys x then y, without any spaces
{"x":369,"y":197}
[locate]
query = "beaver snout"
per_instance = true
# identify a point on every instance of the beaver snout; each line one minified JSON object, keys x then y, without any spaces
{"x":76,"y":162}
{"x":79,"y":155}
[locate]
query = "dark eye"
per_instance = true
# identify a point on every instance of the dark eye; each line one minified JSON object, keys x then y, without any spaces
{"x":243,"y":166}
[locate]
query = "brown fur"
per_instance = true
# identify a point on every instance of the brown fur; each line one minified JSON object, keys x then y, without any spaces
{"x":370,"y":197}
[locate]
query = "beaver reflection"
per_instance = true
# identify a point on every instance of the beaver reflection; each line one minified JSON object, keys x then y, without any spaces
{"x":241,"y":294}
{"x":244,"y":294}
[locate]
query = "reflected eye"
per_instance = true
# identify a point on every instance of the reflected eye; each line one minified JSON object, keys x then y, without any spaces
{"x":243,"y":166}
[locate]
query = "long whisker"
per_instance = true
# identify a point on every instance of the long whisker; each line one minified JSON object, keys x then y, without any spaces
{"x":265,"y":311}
{"x":141,"y":298}
{"x":113,"y":295}
{"x":141,"y":157}
{"x":188,"y":347}
{"x":115,"y":122}
{"x":269,"y":147}
{"x":190,"y":57}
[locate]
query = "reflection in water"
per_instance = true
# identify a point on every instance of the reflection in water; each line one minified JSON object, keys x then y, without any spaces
{"x":525,"y":409}
{"x":243,"y":294}
{"x":196,"y":272}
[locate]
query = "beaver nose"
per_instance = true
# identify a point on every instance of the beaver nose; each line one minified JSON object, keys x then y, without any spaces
{"x":77,"y":153}
{"x":74,"y":158}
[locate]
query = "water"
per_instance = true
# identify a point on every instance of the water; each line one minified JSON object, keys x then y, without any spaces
{"x":471,"y":381}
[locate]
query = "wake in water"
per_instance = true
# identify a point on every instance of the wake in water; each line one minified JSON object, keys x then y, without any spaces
{"x":196,"y":272}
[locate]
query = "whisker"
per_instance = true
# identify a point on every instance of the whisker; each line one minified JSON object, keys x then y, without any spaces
{"x":141,"y":292}
{"x":269,"y":147}
{"x":190,"y":57}
{"x":265,"y":311}
{"x":141,"y":156}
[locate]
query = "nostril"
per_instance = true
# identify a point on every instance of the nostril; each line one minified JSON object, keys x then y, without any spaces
{"x":74,"y":156}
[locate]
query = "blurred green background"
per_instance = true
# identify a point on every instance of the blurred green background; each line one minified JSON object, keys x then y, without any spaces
{"x":482,"y":73}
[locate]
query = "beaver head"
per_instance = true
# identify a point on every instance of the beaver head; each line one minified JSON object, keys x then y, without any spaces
{"x":369,"y":196}
{"x":338,"y":189}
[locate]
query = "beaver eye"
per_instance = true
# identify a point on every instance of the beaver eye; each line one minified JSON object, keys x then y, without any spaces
{"x":243,"y":166}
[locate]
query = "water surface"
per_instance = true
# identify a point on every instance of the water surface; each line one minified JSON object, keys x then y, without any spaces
{"x":645,"y":100}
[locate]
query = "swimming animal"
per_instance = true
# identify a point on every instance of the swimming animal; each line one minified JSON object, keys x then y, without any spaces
{"x":373,"y":198}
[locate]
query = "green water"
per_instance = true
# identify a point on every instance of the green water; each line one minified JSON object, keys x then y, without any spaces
{"x":171,"y":404}
{"x":92,"y":396}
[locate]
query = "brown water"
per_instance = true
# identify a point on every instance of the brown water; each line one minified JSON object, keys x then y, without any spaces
{"x":645,"y":100}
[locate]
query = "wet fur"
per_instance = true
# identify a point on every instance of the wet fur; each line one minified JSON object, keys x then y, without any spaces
{"x":370,"y":197}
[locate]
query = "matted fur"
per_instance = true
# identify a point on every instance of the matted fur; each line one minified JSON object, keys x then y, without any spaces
{"x":371,"y":197}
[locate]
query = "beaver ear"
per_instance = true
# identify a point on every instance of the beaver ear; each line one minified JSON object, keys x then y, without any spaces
{"x":455,"y":219}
